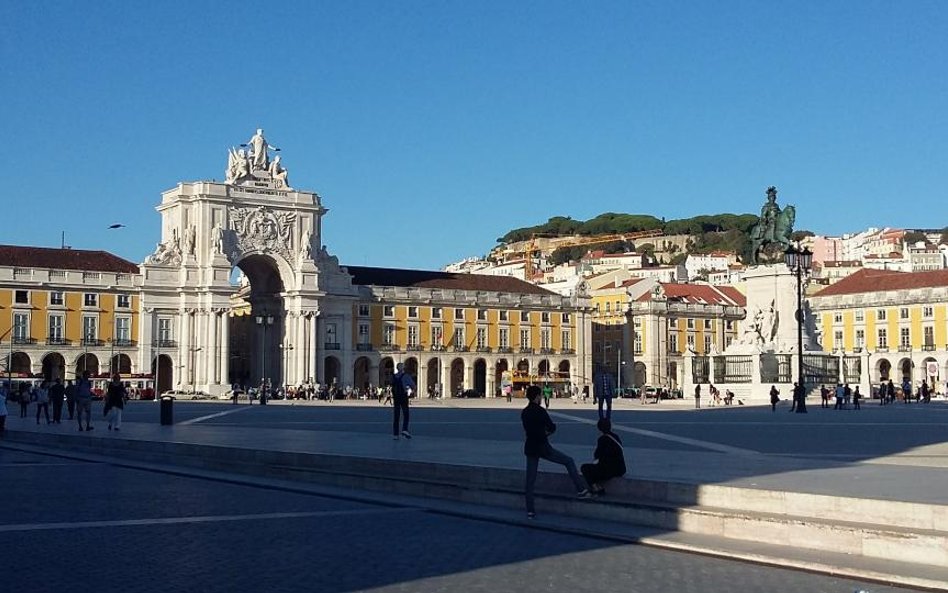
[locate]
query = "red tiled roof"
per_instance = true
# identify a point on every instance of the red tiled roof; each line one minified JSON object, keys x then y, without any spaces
{"x":18,"y":256}
{"x":700,"y":294}
{"x":366,"y":276}
{"x":868,"y":280}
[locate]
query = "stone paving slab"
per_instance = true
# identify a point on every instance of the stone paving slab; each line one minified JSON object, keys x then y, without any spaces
{"x":907,"y":483}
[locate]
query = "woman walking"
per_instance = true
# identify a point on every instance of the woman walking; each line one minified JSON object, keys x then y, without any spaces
{"x":42,"y":401}
{"x":24,"y":398}
{"x":115,"y":402}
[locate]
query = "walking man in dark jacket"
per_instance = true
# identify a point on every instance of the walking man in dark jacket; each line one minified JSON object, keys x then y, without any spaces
{"x":537,"y":427}
{"x":402,"y":388}
{"x":610,"y":459}
{"x":57,"y":395}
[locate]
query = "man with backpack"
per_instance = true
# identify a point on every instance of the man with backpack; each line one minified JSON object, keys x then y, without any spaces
{"x":402,"y":387}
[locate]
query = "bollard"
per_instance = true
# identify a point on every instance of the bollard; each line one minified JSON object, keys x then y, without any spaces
{"x":167,"y":410}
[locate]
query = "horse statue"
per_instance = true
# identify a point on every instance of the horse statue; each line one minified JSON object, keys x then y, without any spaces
{"x":770,"y":237}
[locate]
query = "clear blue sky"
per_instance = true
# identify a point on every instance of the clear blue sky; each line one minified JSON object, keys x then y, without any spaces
{"x":431,"y":128}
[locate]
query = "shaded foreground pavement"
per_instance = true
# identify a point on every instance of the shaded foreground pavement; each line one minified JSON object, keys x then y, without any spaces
{"x":98,"y":526}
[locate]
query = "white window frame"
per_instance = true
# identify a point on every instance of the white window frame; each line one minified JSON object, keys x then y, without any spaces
{"x":412,"y":334}
{"x":503,"y":338}
{"x":545,"y":338}
{"x":364,"y":333}
{"x":389,"y":333}
{"x":58,"y":334}
{"x":61,"y":298}
{"x":524,"y":338}
{"x":457,"y":340}
{"x":165,"y":329}
{"x":566,"y":339}
{"x":119,"y":298}
{"x":86,"y":326}
{"x":119,"y":329}
{"x":21,"y":325}
{"x":16,"y":297}
{"x":90,"y":299}
{"x":363,"y":311}
{"x":482,"y":337}
{"x":436,"y":312}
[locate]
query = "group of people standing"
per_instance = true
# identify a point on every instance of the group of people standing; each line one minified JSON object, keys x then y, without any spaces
{"x":75,"y":397}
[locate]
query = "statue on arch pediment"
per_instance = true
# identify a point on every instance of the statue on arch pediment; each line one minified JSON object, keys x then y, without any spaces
{"x":251,"y":163}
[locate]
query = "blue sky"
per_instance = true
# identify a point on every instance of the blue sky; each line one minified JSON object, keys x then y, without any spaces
{"x":431,"y":128}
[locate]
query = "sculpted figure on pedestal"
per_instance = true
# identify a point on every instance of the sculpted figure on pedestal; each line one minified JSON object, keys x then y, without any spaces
{"x":238,"y":165}
{"x":771,"y":235}
{"x":259,"y":159}
{"x":278,"y":173}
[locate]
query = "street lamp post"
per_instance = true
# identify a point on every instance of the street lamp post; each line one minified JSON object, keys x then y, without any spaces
{"x":264,"y":320}
{"x":799,"y":261}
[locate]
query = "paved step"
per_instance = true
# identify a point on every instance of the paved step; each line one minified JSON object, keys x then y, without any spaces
{"x":890,"y":530}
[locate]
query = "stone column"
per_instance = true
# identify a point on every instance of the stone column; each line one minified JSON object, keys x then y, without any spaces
{"x":300,"y":349}
{"x":224,"y":367}
{"x":212,"y":356}
{"x":180,"y":372}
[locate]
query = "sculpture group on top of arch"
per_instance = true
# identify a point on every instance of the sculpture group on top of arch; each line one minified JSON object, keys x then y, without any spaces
{"x":251,"y":162}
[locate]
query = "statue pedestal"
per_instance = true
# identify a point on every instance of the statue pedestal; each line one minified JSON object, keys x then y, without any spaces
{"x":771,"y":292}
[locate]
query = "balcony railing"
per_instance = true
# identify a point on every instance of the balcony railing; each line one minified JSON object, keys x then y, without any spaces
{"x":364,"y":347}
{"x":438,"y":348}
{"x":58,"y":342}
{"x":388,"y":347}
{"x":22,"y":340}
{"x":91,"y":342}
{"x":505,"y":350}
{"x":882,"y":348}
{"x":483,"y":349}
{"x":547,"y":351}
{"x":526,"y":350}
{"x":332,"y":346}
{"x":461,"y":349}
{"x":414,"y":348}
{"x":124,"y":343}
{"x":567,"y":351}
{"x":928,"y":347}
{"x":165,"y":344}
{"x":905,"y":348}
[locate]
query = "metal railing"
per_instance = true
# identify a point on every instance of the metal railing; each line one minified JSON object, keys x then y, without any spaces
{"x":852,"y":369}
{"x":701,"y":369}
{"x":733,"y":369}
{"x":776,"y":368}
{"x":820,"y":368}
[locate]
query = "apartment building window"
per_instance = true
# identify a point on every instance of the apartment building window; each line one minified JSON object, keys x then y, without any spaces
{"x":389,"y":334}
{"x":707,"y":344}
{"x":164,"y":330}
{"x":618,"y":307}
{"x":524,"y":338}
{"x":928,"y":311}
{"x":905,"y":337}
{"x":21,"y":326}
{"x":860,"y":338}
{"x":363,"y":332}
{"x":608,"y":307}
{"x":690,"y":338}
{"x":545,"y":317}
{"x":458,"y":338}
{"x":637,"y":343}
{"x":673,"y":343}
{"x":90,"y":299}
{"x":21,"y":297}
{"x":691,"y":323}
{"x":707,"y":324}
{"x":524,"y":317}
{"x":882,"y":338}
{"x":729,"y":325}
{"x":90,"y":328}
{"x":880,"y":314}
{"x":123,"y":301}
{"x":545,"y":339}
{"x":597,"y":307}
{"x":481,"y":337}
{"x":437,"y":333}
{"x":363,"y":310}
{"x":459,"y":314}
{"x":837,"y":317}
{"x":565,"y":339}
{"x":482,"y":314}
{"x":858,"y":315}
{"x":838,"y":339}
{"x":55,"y":335}
{"x":904,"y":313}
{"x":565,"y":318}
{"x":503,"y":315}
{"x":412,"y":335}
{"x":673,"y":323}
{"x":332,"y":336}
{"x":436,"y":312}
{"x":413,"y":312}
{"x":56,"y":298}
{"x":123,"y":329}
{"x":503,"y":338}
{"x":388,"y":310}
{"x":928,"y":334}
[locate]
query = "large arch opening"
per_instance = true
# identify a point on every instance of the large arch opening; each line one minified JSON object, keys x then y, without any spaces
{"x":360,"y":373}
{"x":457,"y":377}
{"x":639,"y":375}
{"x":162,"y":370}
{"x":121,"y":364}
{"x":563,"y":372}
{"x":54,"y":367}
{"x":411,"y":367}
{"x":433,"y":377}
{"x":331,"y":368}
{"x":480,"y":377}
{"x":257,"y":333}
{"x":386,"y":371}
{"x":501,"y":367}
{"x":20,"y":364}
{"x":884,"y":369}
{"x":906,"y":366}
{"x":87,"y":362}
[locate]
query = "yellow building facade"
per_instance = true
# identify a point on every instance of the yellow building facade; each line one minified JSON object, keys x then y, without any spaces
{"x":898,"y":320}
{"x":64,"y":311}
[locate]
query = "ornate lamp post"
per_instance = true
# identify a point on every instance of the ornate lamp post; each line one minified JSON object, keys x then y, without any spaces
{"x":264,"y":320}
{"x":799,"y":261}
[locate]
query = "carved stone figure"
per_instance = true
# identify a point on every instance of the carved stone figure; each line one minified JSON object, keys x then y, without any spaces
{"x":167,"y":253}
{"x":752,"y":329}
{"x":772,"y":232}
{"x":768,"y":330}
{"x":190,"y":236}
{"x":259,"y":159}
{"x":259,"y":229}
{"x":238,"y":166}
{"x":278,"y":173}
{"x":218,"y":234}
{"x":306,"y":245}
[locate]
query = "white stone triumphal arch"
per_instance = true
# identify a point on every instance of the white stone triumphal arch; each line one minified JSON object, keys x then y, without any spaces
{"x":256,"y":222}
